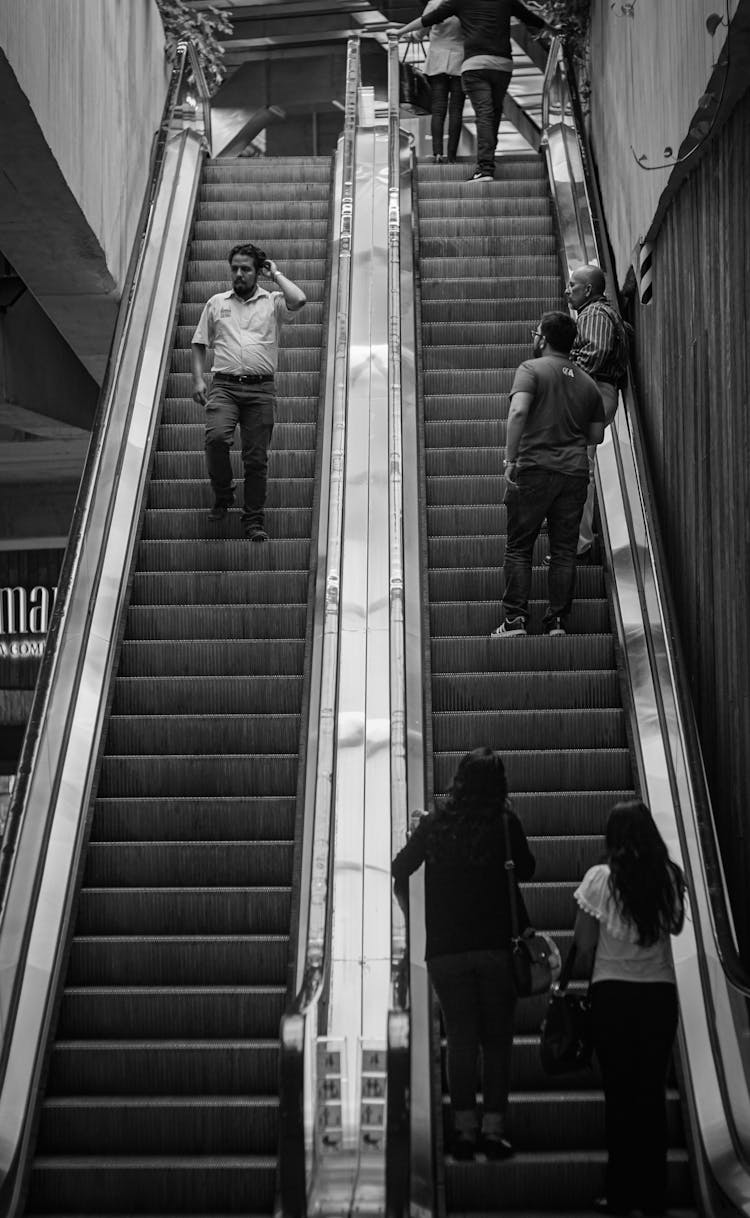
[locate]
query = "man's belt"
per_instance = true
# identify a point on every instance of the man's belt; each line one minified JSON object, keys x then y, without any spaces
{"x":247,"y":378}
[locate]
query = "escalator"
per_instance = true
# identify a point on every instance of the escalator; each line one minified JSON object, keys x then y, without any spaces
{"x":552,"y":707}
{"x":162,"y":1091}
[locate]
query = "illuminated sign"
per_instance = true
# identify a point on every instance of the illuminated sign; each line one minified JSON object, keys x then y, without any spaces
{"x":24,"y":618}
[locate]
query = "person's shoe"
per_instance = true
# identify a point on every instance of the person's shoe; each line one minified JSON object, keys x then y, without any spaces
{"x":480,"y":175}
{"x":256,"y":532}
{"x":513,"y":627}
{"x":452,"y":159}
{"x":555,"y":627}
{"x":496,"y":1148}
{"x":220,"y":509}
{"x":602,"y":1205}
{"x":439,"y":159}
{"x":463,"y":1148}
{"x":582,"y":558}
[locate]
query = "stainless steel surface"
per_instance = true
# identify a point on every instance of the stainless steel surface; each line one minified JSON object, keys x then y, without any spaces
{"x":53,"y":815}
{"x":715,"y":1029}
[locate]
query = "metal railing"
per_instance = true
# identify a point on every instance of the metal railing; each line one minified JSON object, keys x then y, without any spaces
{"x":47,"y":822}
{"x":299,"y":1025}
{"x":712,"y":981}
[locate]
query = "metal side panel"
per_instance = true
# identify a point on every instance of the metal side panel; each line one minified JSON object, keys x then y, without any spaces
{"x":53,"y":819}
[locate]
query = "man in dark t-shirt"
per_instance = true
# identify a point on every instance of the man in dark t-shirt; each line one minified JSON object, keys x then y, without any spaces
{"x":556,"y":411}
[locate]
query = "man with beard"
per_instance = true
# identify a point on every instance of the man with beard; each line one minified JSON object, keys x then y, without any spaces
{"x":243,"y":327}
{"x":556,"y":412}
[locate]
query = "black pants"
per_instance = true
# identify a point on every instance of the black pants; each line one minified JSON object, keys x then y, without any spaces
{"x":252,"y":406}
{"x":634,"y":1028}
{"x":447,"y":98}
{"x":486,"y":89}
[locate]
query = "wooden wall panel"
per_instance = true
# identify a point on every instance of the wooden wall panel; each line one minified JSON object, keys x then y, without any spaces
{"x":694,"y":373}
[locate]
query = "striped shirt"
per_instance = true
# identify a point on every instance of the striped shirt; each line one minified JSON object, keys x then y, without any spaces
{"x":601,"y":347}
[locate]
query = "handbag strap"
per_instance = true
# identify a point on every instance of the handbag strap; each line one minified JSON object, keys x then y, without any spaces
{"x":510,"y":871}
{"x":567,"y":969}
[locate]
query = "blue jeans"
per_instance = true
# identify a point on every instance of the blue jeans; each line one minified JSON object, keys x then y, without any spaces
{"x":252,"y":406}
{"x":486,"y":89}
{"x":536,"y":494}
{"x":447,"y":98}
{"x":477,"y":997}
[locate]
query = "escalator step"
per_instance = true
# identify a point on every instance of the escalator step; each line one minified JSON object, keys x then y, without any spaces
{"x":219,"y":587}
{"x":508,"y":291}
{"x":489,"y":309}
{"x":165,"y":1067}
{"x":312,"y":212}
{"x":470,"y":249}
{"x":180,"y":493}
{"x":178,"y":960}
{"x":135,"y":734}
{"x":539,"y":653}
{"x":297,"y":463}
{"x":196,"y":911}
{"x":191,"y":864}
{"x":101,"y":1012}
{"x":248,"y":657}
{"x":550,"y":769}
{"x":595,"y":728}
{"x":274,"y":774}
{"x":551,"y":811}
{"x":482,"y":226}
{"x":184,"y":411}
{"x":588,"y":616}
{"x":214,"y":621}
{"x":189,"y":437}
{"x":519,"y":692}
{"x":281,"y":524}
{"x":213,"y":818}
{"x":205,"y":695}
{"x":475,"y":357}
{"x":484,"y":333}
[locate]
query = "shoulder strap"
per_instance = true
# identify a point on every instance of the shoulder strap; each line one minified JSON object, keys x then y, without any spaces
{"x":510,"y":871}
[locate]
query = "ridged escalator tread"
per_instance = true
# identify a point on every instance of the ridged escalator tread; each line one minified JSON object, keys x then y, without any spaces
{"x":162,"y":1091}
{"x":552,"y":706}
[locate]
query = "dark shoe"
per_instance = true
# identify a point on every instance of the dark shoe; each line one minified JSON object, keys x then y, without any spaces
{"x":514,"y":627}
{"x":480,"y":175}
{"x":582,"y":558}
{"x":496,"y":1148}
{"x":256,"y":532}
{"x":555,"y":627}
{"x":601,"y":1205}
{"x":439,"y":159}
{"x":463,"y":1149}
{"x":220,"y":509}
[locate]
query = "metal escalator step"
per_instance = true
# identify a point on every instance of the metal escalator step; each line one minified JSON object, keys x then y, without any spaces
{"x":224,"y":554}
{"x":213,"y":818}
{"x":158,"y":1184}
{"x":471,"y":332}
{"x":464,"y":433}
{"x":220,"y":587}
{"x":196,"y":492}
{"x":232,"y":1066}
{"x":547,"y":1180}
{"x":552,"y":811}
{"x":180,"y":411}
{"x":470,"y":584}
{"x":513,"y":692}
{"x":228,"y":774}
{"x":276,"y":657}
{"x":282,"y":464}
{"x":531,"y":267}
{"x":190,"y":1125}
{"x":476,"y":552}
{"x":312,"y":214}
{"x":299,"y":247}
{"x":518,"y":245}
{"x":598,"y":728}
{"x":476,"y":356}
{"x":205,"y":695}
{"x":509,"y":186}
{"x":516,"y":292}
{"x":484,"y":227}
{"x":465,"y":520}
{"x":283,"y":524}
{"x":434,"y":209}
{"x":550,"y":769}
{"x":483,"y":407}
{"x":214,"y":621}
{"x":203,"y":733}
{"x":558,"y":859}
{"x":190,"y":864}
{"x":452,"y":491}
{"x":179,"y":960}
{"x":467,"y":380}
{"x":150,"y":1012}
{"x":550,"y":904}
{"x":189,"y":437}
{"x":497,"y":309}
{"x":588,"y":616}
{"x":463,"y":462}
{"x":196,"y":911}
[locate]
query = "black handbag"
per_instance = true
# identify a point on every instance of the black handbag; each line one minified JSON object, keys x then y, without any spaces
{"x":532,"y":954}
{"x":415,"y":91}
{"x":566,"y":1043}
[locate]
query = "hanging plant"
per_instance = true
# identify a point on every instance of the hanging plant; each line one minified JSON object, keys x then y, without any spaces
{"x":573,"y":19}
{"x":200,"y":26}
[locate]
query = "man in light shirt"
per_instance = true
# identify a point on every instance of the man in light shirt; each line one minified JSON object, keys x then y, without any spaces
{"x":243,"y":328}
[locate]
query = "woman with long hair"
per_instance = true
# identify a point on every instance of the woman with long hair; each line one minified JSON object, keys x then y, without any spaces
{"x":629,"y":906}
{"x":445,"y":54}
{"x":467,"y":915}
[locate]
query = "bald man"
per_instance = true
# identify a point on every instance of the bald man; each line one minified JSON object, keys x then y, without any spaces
{"x":601,"y":349}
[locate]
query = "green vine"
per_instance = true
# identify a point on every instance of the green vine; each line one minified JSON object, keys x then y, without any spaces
{"x":202,"y":27}
{"x":573,"y":19}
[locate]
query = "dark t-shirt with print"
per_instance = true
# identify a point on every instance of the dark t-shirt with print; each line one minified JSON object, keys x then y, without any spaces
{"x":566,"y":401}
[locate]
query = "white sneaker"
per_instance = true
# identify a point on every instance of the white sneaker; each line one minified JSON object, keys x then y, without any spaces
{"x":510,"y":629}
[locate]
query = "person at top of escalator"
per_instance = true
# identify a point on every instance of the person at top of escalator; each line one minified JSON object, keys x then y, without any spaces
{"x":488,"y":62}
{"x":628,"y":907}
{"x":243,"y":327}
{"x":601,"y":349}
{"x":556,"y":411}
{"x":445,"y":54}
{"x":468,"y":922}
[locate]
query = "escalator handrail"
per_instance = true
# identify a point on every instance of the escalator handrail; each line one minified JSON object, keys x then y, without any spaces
{"x":312,"y":958}
{"x":722,"y":924}
{"x":59,"y":780}
{"x":715,"y":1010}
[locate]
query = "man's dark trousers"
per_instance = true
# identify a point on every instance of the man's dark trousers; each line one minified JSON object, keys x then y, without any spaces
{"x":252,"y":406}
{"x":559,"y":497}
{"x":486,"y":89}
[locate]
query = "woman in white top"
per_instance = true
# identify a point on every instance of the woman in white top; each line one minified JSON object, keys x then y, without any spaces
{"x":445,"y":55}
{"x":628,"y":908}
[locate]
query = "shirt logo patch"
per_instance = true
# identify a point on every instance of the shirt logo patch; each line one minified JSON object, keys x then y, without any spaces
{"x":568,"y":372}
{"x":226,"y":313}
